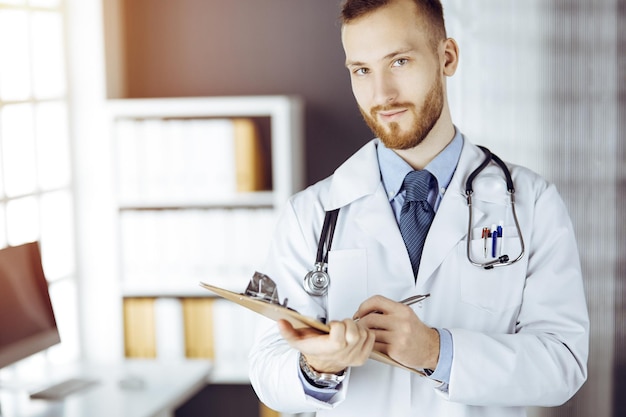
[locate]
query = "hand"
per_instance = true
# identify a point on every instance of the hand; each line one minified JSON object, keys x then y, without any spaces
{"x":399,"y":332}
{"x":348,"y":344}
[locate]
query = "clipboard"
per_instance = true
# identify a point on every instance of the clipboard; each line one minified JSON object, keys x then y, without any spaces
{"x":272,"y":309}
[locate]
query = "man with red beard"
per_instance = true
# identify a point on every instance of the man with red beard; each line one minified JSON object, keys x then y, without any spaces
{"x":487,"y":342}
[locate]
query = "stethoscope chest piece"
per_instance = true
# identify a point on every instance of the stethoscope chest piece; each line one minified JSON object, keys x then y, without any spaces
{"x":317,"y":281}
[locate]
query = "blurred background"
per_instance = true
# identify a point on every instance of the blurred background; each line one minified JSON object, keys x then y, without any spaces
{"x":541,"y":83}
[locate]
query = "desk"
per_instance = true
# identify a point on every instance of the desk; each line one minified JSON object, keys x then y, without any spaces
{"x":165,"y":386}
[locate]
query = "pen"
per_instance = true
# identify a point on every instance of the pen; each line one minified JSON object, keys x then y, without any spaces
{"x":499,"y":230}
{"x":407,"y":302}
{"x":485,"y":235}
{"x":494,"y":240}
{"x":414,"y":299}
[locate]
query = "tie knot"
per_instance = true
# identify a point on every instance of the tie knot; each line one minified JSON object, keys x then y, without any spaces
{"x":417,"y":185}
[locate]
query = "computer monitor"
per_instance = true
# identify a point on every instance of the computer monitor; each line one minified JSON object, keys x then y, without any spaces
{"x":27,"y":323}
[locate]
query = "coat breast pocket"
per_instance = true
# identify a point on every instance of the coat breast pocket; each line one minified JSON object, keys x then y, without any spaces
{"x":484,"y":248}
{"x":498,"y":289}
{"x":347,"y":269}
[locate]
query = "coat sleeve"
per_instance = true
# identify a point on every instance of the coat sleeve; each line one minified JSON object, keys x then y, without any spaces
{"x":273,"y":364}
{"x":544,"y":362}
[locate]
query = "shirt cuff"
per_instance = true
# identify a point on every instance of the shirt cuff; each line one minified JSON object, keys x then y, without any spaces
{"x":321,"y":394}
{"x":444,"y":366}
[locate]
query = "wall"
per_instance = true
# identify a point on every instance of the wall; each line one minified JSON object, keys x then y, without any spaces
{"x":619,"y":264}
{"x":214,"y":47}
{"x":541,"y":83}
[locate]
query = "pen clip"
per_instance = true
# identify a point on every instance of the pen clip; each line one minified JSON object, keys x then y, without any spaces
{"x":494,"y":241}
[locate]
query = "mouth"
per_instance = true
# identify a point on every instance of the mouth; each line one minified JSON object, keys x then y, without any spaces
{"x":391,"y":115}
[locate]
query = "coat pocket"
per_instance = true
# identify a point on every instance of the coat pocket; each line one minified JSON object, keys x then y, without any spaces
{"x":496,"y":289}
{"x":347,"y":269}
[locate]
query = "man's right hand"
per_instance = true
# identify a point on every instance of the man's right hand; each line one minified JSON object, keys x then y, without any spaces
{"x":348,"y":344}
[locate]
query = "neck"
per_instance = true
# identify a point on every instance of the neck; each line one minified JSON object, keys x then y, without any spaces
{"x":437,"y":139}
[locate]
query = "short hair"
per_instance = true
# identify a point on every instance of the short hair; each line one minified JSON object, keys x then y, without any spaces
{"x":430,"y":10}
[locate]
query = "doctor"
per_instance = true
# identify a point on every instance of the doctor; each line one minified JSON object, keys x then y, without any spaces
{"x":490,"y":341}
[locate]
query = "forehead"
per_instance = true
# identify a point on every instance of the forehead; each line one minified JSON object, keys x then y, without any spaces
{"x":394,"y":27}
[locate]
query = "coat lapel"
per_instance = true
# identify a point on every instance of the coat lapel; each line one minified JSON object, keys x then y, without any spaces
{"x":375,"y":218}
{"x":450,"y":223}
{"x":359,"y":179}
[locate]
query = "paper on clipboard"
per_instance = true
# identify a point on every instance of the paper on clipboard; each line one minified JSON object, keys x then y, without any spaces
{"x":277,"y":312}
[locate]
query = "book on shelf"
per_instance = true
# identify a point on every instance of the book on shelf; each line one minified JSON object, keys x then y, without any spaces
{"x":173,"y":160}
{"x":169,"y":246}
{"x":170,"y":328}
{"x":139,"y":328}
{"x":170,"y":336}
{"x":198,"y":328}
{"x":251,"y":172}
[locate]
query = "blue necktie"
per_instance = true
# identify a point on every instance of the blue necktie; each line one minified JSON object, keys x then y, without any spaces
{"x":416,"y":215}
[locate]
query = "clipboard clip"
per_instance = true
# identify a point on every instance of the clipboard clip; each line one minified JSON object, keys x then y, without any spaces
{"x":261,"y":287}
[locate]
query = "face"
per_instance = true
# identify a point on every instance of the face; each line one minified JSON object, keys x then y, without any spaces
{"x":396,"y":75}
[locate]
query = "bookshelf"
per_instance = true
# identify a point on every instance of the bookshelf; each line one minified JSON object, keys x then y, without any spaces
{"x":199,"y":182}
{"x":208,"y":207}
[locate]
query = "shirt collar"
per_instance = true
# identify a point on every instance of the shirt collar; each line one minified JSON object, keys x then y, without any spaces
{"x":393,"y":168}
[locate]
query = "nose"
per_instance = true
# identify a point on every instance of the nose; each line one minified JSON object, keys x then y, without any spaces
{"x":385,"y":91}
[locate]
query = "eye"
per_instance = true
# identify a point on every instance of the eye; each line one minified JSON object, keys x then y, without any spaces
{"x":400,"y":62}
{"x":361,"y":71}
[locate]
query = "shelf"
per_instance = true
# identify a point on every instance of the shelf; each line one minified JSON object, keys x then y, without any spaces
{"x":261,"y":199}
{"x":180,"y":289}
{"x":286,"y":114}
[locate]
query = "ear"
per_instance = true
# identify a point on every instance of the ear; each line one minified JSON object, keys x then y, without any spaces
{"x":449,"y":57}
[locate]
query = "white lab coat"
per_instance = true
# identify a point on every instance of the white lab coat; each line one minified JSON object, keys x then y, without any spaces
{"x":520,"y":332}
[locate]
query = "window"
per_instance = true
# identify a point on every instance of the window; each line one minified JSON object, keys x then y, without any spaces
{"x":36,"y":196}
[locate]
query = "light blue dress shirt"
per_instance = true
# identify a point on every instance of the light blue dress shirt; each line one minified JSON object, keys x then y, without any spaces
{"x":393,"y":169}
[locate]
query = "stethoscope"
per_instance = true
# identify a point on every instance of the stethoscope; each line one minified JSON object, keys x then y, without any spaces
{"x":317,"y":281}
{"x":502,"y":260}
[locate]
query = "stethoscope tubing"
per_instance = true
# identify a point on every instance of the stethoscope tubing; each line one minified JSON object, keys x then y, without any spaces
{"x":326,"y":237}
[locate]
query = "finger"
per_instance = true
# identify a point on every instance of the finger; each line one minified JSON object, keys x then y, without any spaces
{"x":358,"y":336}
{"x":354,"y":334}
{"x":378,"y":321}
{"x":375,"y":304}
{"x":337,"y":335}
{"x":362,"y":351}
{"x":367,"y":340}
{"x":381,"y":347}
{"x":383,"y":336}
{"x":287,"y":331}
{"x":290,"y":333}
